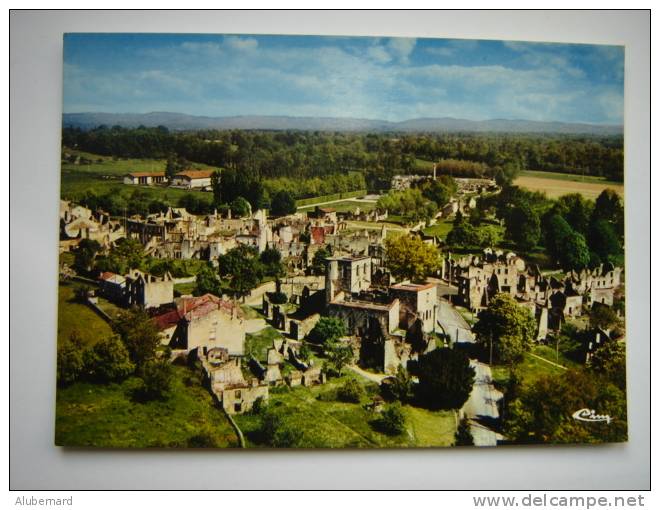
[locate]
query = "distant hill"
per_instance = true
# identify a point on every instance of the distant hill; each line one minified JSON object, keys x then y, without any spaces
{"x":182,"y":122}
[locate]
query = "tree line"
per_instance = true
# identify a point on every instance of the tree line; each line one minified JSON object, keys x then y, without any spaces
{"x":304,"y":155}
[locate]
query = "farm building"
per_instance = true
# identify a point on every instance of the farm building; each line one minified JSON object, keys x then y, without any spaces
{"x":193,"y":179}
{"x":145,"y":178}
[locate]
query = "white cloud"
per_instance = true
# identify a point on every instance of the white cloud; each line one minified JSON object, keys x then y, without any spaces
{"x":241,"y":43}
{"x":401,"y":47}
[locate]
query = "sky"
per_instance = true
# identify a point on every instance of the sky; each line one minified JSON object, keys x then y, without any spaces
{"x":391,"y":79}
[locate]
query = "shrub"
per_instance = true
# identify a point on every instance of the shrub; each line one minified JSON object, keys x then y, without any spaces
{"x":278,"y":298}
{"x":392,"y":421}
{"x":350,"y":391}
{"x":156,"y":380}
{"x":108,"y":360}
{"x":70,"y":361}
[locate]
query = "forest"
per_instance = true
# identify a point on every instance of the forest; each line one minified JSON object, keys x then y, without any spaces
{"x":302,"y":156}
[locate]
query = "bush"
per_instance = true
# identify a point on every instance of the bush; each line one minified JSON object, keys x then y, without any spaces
{"x":203,"y":439}
{"x":70,"y":362}
{"x":108,"y":360}
{"x":351,"y":391}
{"x":392,"y":421}
{"x":278,"y":298}
{"x":463,"y":436}
{"x":156,"y":380}
{"x":399,"y":387}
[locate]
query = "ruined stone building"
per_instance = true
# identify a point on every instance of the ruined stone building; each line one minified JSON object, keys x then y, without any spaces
{"x":78,"y":222}
{"x":206,"y":321}
{"x":137,"y":288}
{"x":227,"y":382}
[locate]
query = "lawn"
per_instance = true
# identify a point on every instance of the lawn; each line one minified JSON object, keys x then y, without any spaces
{"x":531,"y":368}
{"x":555,"y":184}
{"x":75,"y":183}
{"x":257,"y":344}
{"x":305,"y":202}
{"x":78,"y":317}
{"x":440,"y":229}
{"x":344,"y":206}
{"x":106,"y":416}
{"x":328,"y":423}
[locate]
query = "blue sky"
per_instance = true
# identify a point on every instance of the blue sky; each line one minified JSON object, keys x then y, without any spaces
{"x":365,"y":77}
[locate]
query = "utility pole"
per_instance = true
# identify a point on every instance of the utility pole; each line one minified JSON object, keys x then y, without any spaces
{"x":491,"y":348}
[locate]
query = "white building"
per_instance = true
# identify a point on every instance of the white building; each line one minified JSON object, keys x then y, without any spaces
{"x":193,"y":179}
{"x":145,"y":178}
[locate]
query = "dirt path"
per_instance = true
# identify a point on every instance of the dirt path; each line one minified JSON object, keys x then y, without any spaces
{"x":377,"y":378}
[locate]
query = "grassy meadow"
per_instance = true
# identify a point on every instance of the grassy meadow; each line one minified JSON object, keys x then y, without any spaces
{"x":326,"y":422}
{"x":107,"y":416}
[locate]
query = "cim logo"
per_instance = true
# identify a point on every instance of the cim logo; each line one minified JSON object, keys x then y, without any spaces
{"x":591,"y":416}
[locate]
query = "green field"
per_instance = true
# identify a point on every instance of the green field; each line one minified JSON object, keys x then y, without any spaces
{"x":328,"y":423}
{"x":304,"y":202}
{"x":78,"y":317}
{"x":569,"y":177}
{"x":257,"y":344}
{"x":344,"y":206}
{"x":531,"y":368}
{"x":440,"y":229}
{"x":106,"y":416}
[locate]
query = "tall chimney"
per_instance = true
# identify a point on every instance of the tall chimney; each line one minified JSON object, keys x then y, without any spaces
{"x":434,"y":167}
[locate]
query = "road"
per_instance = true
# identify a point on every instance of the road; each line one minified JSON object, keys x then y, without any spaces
{"x":454,"y":324}
{"x":482,"y":406}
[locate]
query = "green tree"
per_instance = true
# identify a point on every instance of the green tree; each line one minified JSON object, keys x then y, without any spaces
{"x":318,"y":261}
{"x":240,"y":207}
{"x":604,"y":242}
{"x":139,"y":334}
{"x":271,"y":259}
{"x":523,"y":226}
{"x":445,"y":379}
{"x":327,"y":331}
{"x":207,"y":282}
{"x":609,"y":360}
{"x":463,"y":436}
{"x":609,"y":208}
{"x":576,"y":211}
{"x":505,"y":328}
{"x":603,"y":317}
{"x":410,"y":258}
{"x":241,"y":266}
{"x":392,"y":421}
{"x":108,"y":360}
{"x":283,"y":203}
{"x":85,"y":255}
{"x":463,"y":235}
{"x":70,"y":360}
{"x":339,"y":355}
{"x":543,"y":412}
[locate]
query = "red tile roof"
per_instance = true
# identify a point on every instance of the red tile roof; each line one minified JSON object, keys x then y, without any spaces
{"x":194,"y":308}
{"x":196,"y":174}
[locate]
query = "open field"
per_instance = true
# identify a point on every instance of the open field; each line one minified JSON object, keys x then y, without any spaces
{"x":440,"y":229}
{"x":558,"y":184}
{"x":305,"y":202}
{"x":73,"y":316}
{"x":344,"y":206}
{"x":531,"y":368}
{"x":326,"y":422}
{"x":107,"y":416}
